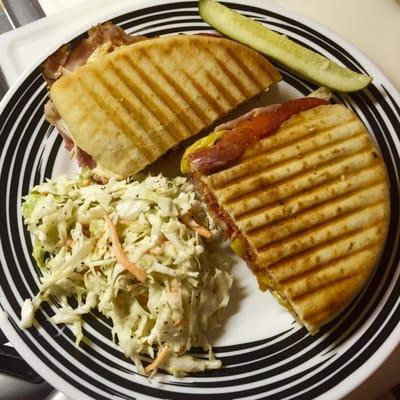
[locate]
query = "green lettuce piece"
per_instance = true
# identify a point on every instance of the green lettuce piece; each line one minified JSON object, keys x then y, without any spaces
{"x":39,"y":253}
{"x":30,"y":202}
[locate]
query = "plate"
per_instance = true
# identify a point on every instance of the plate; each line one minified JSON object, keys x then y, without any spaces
{"x":265,"y":354}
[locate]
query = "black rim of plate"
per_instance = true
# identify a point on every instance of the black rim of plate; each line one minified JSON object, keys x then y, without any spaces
{"x":290,"y":365}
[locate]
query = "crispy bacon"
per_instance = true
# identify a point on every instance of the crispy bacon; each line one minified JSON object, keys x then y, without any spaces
{"x":233,"y":144}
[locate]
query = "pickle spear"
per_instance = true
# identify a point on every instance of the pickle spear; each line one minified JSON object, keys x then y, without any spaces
{"x":296,"y":58}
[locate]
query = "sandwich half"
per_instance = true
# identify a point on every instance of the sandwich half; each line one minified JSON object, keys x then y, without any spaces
{"x":129,"y":103}
{"x":304,"y":199}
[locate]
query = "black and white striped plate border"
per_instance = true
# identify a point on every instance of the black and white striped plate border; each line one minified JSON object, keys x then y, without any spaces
{"x":291,"y":365}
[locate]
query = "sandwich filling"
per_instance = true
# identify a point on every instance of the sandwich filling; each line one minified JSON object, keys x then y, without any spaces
{"x":231,"y":146}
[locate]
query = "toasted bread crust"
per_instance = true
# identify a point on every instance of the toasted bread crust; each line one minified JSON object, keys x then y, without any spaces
{"x":312,"y":202}
{"x":129,"y":107}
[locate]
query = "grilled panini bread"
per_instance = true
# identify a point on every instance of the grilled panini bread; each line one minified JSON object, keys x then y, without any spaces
{"x":308,"y":207}
{"x":128,"y":107}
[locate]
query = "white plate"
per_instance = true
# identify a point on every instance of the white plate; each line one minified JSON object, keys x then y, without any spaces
{"x":265,"y":354}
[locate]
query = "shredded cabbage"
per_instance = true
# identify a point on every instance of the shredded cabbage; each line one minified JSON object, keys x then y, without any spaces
{"x":185,"y":285}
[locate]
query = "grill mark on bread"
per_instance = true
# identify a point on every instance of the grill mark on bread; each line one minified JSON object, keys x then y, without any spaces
{"x":301,"y":292}
{"x":163,"y":110}
{"x":285,"y":152}
{"x":213,"y":104}
{"x":302,"y":125}
{"x":247,"y":71}
{"x":180,"y":130}
{"x":320,"y":267}
{"x":313,"y":160}
{"x":243,"y":89}
{"x":308,"y":202}
{"x":312,"y":178}
{"x":323,"y":254}
{"x":141,"y":122}
{"x":329,"y":283}
{"x":200,"y":114}
{"x":333,"y":303}
{"x":144,"y":98}
{"x":303,"y":240}
{"x":113,"y":114}
{"x":221,"y":89}
{"x":312,"y":292}
{"x":310,"y":230}
{"x":330,"y":310}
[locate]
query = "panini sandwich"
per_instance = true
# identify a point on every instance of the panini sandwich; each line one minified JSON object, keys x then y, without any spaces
{"x":302,"y":192}
{"x":127,"y":101}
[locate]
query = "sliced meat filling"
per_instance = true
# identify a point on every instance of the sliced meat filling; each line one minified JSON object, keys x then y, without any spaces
{"x":102,"y":39}
{"x":231,"y":231}
{"x":232,"y":145}
{"x":71,"y":56}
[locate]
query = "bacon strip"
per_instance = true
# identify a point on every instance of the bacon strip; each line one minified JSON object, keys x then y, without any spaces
{"x":233,"y":144}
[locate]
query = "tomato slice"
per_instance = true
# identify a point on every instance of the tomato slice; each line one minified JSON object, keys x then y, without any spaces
{"x":233,"y":144}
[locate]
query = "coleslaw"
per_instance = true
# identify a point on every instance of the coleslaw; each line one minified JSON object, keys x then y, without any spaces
{"x":137,"y":251}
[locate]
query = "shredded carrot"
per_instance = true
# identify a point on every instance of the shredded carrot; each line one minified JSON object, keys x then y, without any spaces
{"x":134,"y":269}
{"x":195,"y":227}
{"x":178,"y":322}
{"x":125,"y":222}
{"x":155,"y":250}
{"x":161,"y":356}
{"x":201,"y":230}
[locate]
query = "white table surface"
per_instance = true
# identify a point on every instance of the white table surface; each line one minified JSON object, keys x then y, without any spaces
{"x":372,"y":25}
